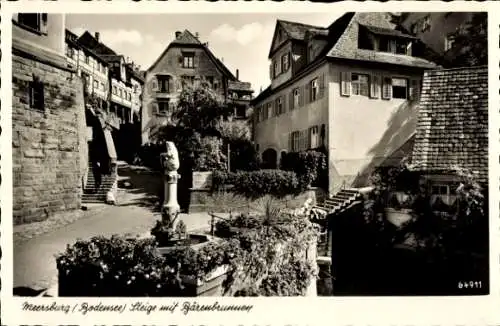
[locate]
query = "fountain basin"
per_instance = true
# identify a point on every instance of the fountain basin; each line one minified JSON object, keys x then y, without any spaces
{"x":194,"y":241}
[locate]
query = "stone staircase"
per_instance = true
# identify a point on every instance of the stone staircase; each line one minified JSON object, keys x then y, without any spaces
{"x":93,"y":194}
{"x":342,"y":199}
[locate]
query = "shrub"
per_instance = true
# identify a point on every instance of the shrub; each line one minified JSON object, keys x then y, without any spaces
{"x":310,"y":166}
{"x":267,"y":259}
{"x":222,"y":178}
{"x":256,"y":184}
{"x":209,"y":155}
{"x":115,"y":266}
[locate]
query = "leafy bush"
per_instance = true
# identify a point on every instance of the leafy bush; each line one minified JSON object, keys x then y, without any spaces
{"x":221,"y":179}
{"x":209,"y":155}
{"x":115,"y":266}
{"x":256,"y":184}
{"x":267,"y":259}
{"x":310,"y":166}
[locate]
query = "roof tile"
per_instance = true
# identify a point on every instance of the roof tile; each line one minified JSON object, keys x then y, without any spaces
{"x":453,"y":121}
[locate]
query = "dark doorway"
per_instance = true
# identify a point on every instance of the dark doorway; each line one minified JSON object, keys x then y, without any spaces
{"x":269,"y":159}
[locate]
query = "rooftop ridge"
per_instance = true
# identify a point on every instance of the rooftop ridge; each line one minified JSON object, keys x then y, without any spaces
{"x":300,"y":24}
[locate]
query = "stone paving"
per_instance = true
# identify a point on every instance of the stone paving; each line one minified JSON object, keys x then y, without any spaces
{"x":34,"y":259}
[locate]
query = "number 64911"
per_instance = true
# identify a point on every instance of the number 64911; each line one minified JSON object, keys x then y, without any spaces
{"x":470,"y":285}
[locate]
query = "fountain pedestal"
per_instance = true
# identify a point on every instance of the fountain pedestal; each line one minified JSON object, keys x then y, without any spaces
{"x":170,"y":163}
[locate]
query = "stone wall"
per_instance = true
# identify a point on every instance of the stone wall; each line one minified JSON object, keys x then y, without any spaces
{"x":48,"y":145}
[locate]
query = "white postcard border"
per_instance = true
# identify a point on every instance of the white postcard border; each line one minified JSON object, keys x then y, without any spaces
{"x":464,"y":310}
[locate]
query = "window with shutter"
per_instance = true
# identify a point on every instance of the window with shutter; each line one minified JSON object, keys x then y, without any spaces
{"x":155,"y":108}
{"x":400,"y":88}
{"x":359,"y":84}
{"x":387,"y":88}
{"x":314,"y":137}
{"x":301,"y":95}
{"x":154,"y":84}
{"x":308,"y":93}
{"x":279,"y":105}
{"x":345,"y":81}
{"x":321,"y":91}
{"x":374,"y":86}
{"x":295,"y":141}
{"x":291,"y":101}
{"x":295,"y":100}
{"x":322,"y":135}
{"x":314,"y":89}
{"x":305,"y":139}
{"x":414,"y":89}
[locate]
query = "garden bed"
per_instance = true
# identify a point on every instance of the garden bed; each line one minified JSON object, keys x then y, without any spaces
{"x":260,"y":259}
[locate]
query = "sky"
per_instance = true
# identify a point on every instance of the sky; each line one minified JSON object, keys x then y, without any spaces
{"x":241,"y":41}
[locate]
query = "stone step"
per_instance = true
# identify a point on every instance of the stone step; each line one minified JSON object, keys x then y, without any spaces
{"x":87,"y":198}
{"x":335,"y":201}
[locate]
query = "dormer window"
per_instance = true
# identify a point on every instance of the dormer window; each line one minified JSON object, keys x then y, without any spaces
{"x":285,"y":62}
{"x":384,"y":40}
{"x":276,"y":68}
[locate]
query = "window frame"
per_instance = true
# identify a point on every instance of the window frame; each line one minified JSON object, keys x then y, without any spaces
{"x":449,"y":39}
{"x":163,"y":102}
{"x":276,"y":68}
{"x":279,"y":105}
{"x":41,"y":24}
{"x":285,"y":62}
{"x":295,"y":142}
{"x":163,"y":84}
{"x":188,"y":60}
{"x":296,"y":98}
{"x":314,"y":134}
{"x":407,"y":88}
{"x":357,"y":85}
{"x":314,"y":85}
{"x":36,"y":95}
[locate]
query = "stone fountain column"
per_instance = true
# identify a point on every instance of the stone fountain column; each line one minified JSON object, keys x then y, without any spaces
{"x":170,"y":164}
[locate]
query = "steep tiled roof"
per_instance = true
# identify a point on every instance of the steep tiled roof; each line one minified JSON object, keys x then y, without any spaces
{"x":387,"y":31}
{"x":342,"y":42}
{"x":90,"y":42}
{"x":452,"y":128}
{"x":347,"y":45}
{"x":296,"y":30}
{"x":186,"y":37}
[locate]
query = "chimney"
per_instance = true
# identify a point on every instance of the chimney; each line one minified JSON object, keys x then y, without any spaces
{"x":178,"y":34}
{"x":237,"y":74}
{"x":98,"y":36}
{"x":197,"y":35}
